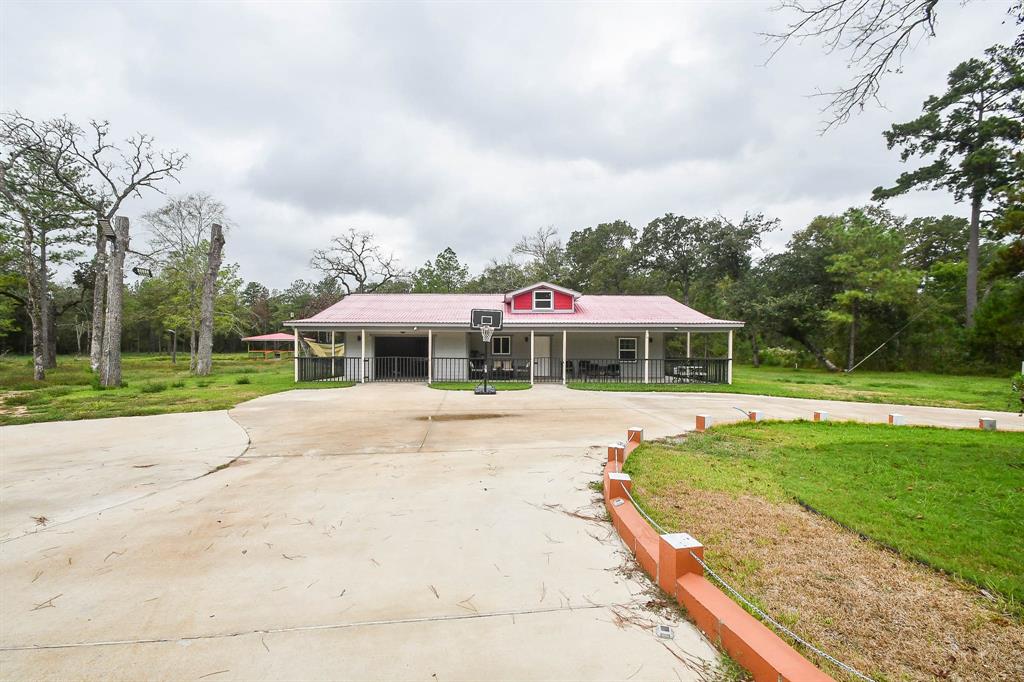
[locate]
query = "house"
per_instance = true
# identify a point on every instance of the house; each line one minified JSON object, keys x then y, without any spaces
{"x":550,"y":334}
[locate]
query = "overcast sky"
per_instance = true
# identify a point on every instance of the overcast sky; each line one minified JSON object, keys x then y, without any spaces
{"x":468,"y":125}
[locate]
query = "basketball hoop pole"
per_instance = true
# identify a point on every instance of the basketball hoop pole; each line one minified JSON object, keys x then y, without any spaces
{"x":486,"y":332}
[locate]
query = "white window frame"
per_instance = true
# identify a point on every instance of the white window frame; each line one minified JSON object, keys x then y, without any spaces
{"x":550,"y":300}
{"x":635,"y":349}
{"x":508,"y":344}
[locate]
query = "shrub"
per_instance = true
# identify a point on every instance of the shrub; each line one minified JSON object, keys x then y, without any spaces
{"x":243,"y":380}
{"x":178,"y":384}
{"x":1017,"y":386}
{"x":779,"y":357}
{"x":155,"y":387}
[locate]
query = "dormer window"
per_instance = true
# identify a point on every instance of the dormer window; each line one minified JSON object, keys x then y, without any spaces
{"x":543,"y":300}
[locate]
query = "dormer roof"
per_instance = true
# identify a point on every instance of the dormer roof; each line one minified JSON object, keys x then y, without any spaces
{"x":542,"y":285}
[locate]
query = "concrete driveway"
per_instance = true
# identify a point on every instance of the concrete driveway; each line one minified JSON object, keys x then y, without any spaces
{"x":381,"y":531}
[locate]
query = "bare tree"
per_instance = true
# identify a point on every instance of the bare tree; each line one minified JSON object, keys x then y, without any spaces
{"x":545,"y":252}
{"x":113,"y":173}
{"x":110,"y":365}
{"x":359,"y":264}
{"x":874,"y":34}
{"x":204,"y":361}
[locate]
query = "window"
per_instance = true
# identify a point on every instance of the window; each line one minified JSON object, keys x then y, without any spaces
{"x":501,"y":345}
{"x":543,"y":300}
{"x":627,"y":348}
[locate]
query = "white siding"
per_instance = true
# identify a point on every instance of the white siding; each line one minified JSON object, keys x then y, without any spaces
{"x":451,"y":345}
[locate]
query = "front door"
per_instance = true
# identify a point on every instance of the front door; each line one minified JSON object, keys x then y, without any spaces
{"x":542,"y":356}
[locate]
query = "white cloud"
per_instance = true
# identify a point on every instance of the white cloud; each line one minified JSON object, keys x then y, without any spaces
{"x":468,"y":125}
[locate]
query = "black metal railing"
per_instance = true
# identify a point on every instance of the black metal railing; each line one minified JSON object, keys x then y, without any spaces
{"x":504,"y":369}
{"x":329,"y":369}
{"x":398,"y":369}
{"x":659,"y":371}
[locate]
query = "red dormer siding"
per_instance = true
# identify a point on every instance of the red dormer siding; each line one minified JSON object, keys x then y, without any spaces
{"x":524,"y":302}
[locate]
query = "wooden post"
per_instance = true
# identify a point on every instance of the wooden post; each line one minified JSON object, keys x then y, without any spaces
{"x":334,"y":350}
{"x":687,"y":344}
{"x":295,"y":353}
{"x":362,"y":356}
{"x":531,"y":357}
{"x":430,"y":356}
{"x":647,"y":356}
{"x":564,"y":345}
{"x":729,"y":368}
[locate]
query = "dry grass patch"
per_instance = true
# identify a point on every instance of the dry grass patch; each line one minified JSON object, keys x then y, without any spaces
{"x":885,"y":615}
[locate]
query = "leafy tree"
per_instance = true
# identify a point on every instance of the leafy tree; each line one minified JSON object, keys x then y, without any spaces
{"x":930,"y":240}
{"x":600,"y":259}
{"x":867,"y":268}
{"x":969,"y":137}
{"x":444,"y":275}
{"x":500,"y":277}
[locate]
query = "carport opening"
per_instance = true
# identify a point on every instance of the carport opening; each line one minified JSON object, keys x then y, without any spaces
{"x":400,"y":358}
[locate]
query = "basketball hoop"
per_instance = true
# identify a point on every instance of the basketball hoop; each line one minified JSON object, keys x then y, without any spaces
{"x":486,"y":332}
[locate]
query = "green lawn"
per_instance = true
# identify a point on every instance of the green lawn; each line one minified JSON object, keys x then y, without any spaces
{"x":152,"y":386}
{"x":906,"y":388}
{"x":470,"y":385}
{"x":953,"y":499}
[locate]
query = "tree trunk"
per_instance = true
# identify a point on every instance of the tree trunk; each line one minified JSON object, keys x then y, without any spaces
{"x":205,"y":360}
{"x":755,"y":350}
{"x":110,"y":365}
{"x":815,"y":350}
{"x":972,"y":260}
{"x":46,"y":314}
{"x":99,"y":295}
{"x":192,"y":351}
{"x":51,"y":336}
{"x":851,"y":352}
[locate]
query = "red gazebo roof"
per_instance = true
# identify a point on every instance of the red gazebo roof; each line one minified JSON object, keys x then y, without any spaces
{"x":278,"y":336}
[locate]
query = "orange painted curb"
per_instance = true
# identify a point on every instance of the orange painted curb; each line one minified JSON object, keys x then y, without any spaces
{"x":669,"y":561}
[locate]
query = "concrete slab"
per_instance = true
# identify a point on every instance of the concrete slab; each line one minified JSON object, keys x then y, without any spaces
{"x":393,"y":530}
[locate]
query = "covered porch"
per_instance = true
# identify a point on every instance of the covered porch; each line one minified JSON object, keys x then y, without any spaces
{"x":627,"y":355}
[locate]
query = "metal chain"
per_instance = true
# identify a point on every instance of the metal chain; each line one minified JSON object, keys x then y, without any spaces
{"x":757,"y":610}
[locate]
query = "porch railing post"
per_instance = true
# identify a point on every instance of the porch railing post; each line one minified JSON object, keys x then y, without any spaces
{"x":295,"y":353}
{"x":430,"y":356}
{"x":688,"y":345}
{"x":564,"y":344}
{"x":334,"y":371}
{"x":647,"y":356}
{"x":531,"y":357}
{"x":362,"y":356}
{"x":729,"y":355}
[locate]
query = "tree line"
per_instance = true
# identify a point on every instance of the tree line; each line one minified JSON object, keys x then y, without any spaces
{"x":942,"y":292}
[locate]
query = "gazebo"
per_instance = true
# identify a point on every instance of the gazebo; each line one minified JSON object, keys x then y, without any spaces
{"x":278,"y":345}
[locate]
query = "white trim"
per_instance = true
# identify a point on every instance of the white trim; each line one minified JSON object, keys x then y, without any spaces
{"x":647,"y":356}
{"x":618,"y":348}
{"x":729,"y":355}
{"x":334,"y":355}
{"x":551,"y":300}
{"x":541,"y":285}
{"x":688,"y":345}
{"x":295,"y":355}
{"x":362,"y":356}
{"x":430,"y":356}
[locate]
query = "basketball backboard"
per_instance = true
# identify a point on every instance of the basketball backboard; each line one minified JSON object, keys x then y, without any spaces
{"x":491,"y":318}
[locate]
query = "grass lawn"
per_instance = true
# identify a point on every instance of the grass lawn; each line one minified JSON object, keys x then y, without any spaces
{"x":953,"y":499}
{"x":152,"y":386}
{"x":906,"y":388}
{"x":470,"y":385}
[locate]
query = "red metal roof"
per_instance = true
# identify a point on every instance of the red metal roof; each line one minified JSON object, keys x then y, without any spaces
{"x":453,"y":310}
{"x":278,"y":336}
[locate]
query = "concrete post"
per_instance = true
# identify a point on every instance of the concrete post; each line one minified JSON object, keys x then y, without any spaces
{"x":531,"y":357}
{"x":635,"y":434}
{"x":896,"y":419}
{"x":295,"y":353}
{"x":617,"y":454}
{"x":675,"y":560}
{"x":564,"y":346}
{"x":703,"y":422}
{"x":647,"y":356}
{"x":618,"y":483}
{"x":987,"y":424}
{"x":430,"y":356}
{"x":362,"y":356}
{"x":820,"y":416}
{"x":730,"y":358}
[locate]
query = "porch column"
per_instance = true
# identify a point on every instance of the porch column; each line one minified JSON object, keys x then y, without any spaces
{"x":295,"y":353}
{"x":647,"y":356}
{"x":564,"y":344}
{"x":531,"y":357}
{"x":430,"y":356}
{"x":729,"y":370}
{"x":334,"y":371}
{"x":687,"y":344}
{"x":362,"y":356}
